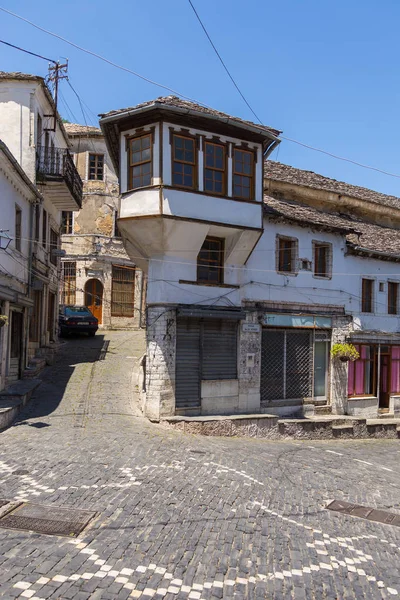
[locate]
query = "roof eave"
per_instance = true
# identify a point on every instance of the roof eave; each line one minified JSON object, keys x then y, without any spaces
{"x":370,"y":253}
{"x":166,"y":107}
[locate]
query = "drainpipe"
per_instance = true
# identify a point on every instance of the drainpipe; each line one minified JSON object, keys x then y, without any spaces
{"x":30,"y":265}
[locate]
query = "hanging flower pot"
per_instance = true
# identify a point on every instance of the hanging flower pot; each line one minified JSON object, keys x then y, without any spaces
{"x":344,"y":352}
{"x":3,"y":320}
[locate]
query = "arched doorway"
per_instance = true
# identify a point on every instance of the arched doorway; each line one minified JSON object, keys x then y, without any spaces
{"x":94,"y":298}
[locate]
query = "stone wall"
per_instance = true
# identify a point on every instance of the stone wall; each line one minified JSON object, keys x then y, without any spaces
{"x":341,"y":327}
{"x":160,"y":362}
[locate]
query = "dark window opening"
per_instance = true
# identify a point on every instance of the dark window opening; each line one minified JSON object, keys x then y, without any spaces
{"x":66,"y":222}
{"x":183,"y":162}
{"x":243,"y":174}
{"x":286,"y":255}
{"x":393,"y":297}
{"x":18,"y":228}
{"x":321,"y":260}
{"x":54,"y":246}
{"x":210,"y":261}
{"x":214,"y":168}
{"x":367,"y":295}
{"x":96,"y":167}
{"x":44,"y":229}
{"x":140,"y":162}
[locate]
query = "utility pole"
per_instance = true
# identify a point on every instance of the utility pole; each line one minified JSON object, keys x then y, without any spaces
{"x":57,"y":71}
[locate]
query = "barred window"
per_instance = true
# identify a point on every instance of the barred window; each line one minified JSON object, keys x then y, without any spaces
{"x":69,"y":288}
{"x":123,"y":291}
{"x":66,"y":221}
{"x":96,"y":167}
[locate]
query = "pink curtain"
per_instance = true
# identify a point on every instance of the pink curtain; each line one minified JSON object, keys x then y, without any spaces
{"x":359,"y":368}
{"x":350,"y":385}
{"x":395,"y":383}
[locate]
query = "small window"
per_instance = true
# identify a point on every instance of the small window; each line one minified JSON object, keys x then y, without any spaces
{"x":18,"y":228}
{"x":381,"y":286}
{"x":37,"y":222}
{"x":183,"y":162}
{"x":69,"y":287}
{"x":322,"y":259}
{"x":287,"y":252}
{"x":214,"y":168}
{"x":210,"y":261}
{"x":140,"y":161}
{"x":393,"y":298}
{"x":96,"y":167}
{"x":44,"y":229}
{"x":54,"y":245}
{"x":117,"y":232}
{"x":243,"y":174}
{"x":367,"y":295}
{"x":66,"y":222}
{"x":123,"y":292}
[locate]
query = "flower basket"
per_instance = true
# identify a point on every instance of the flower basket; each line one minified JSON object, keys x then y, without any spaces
{"x":3,"y":320}
{"x":345,"y":352}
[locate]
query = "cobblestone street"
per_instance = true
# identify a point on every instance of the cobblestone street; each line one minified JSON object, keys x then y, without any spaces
{"x":186,"y":517}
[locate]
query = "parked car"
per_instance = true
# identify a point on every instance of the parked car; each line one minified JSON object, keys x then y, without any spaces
{"x":77,"y":319}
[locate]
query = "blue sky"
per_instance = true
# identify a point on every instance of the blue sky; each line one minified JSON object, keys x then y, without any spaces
{"x":326,"y":73}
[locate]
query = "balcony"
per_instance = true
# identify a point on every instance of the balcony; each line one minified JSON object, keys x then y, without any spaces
{"x":56,"y":172}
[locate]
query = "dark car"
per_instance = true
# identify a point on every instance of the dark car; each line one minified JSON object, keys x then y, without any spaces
{"x":77,"y":319}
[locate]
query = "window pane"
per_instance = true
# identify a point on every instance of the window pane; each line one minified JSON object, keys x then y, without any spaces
{"x":179,"y":155}
{"x":135,"y":145}
{"x":146,"y":179}
{"x":177,"y":179}
{"x":146,"y":142}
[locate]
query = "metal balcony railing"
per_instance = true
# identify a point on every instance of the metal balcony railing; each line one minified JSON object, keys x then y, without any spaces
{"x":57,"y":163}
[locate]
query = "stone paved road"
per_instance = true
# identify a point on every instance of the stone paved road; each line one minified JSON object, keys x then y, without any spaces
{"x":183,"y":517}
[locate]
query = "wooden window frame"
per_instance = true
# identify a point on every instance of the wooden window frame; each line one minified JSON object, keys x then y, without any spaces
{"x":67,"y":225}
{"x":193,"y":164}
{"x":96,"y":156}
{"x":367,"y":301}
{"x":393,"y":307}
{"x":116,"y":310}
{"x":201,"y":262}
{"x":317,"y":246}
{"x":251,"y":177}
{"x":215,"y":169}
{"x":18,"y":228}
{"x":373,"y":362}
{"x":279,"y":254}
{"x":69,"y":282}
{"x":129,"y":141}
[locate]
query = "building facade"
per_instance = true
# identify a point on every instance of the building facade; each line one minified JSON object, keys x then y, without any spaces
{"x":254,"y":273}
{"x":34,"y":133}
{"x":97,"y":272}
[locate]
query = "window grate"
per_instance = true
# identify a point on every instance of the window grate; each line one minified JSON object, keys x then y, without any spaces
{"x":123,"y":291}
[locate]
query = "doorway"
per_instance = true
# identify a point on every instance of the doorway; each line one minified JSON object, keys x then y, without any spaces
{"x":94,"y":298}
{"x":384,"y":378}
{"x":16,"y":334}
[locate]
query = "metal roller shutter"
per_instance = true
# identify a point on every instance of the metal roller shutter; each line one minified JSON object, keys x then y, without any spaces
{"x":187,"y":385}
{"x":219,"y":349}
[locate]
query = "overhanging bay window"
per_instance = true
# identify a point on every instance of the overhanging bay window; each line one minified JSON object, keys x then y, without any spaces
{"x":184,"y":161}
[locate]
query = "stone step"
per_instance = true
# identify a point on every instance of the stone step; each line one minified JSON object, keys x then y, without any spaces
{"x":14,"y":398}
{"x":343,"y":431}
{"x":324,"y":409}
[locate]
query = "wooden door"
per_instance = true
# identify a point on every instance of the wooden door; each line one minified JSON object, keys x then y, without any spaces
{"x":94,"y":298}
{"x":384,"y":381}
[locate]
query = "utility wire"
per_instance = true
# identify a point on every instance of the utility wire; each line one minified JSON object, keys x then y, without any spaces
{"x":28,"y":52}
{"x":222,"y":62}
{"x":106,"y":60}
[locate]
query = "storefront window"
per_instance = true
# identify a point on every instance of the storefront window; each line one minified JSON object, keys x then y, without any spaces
{"x":363,"y":373}
{"x":395,"y":373}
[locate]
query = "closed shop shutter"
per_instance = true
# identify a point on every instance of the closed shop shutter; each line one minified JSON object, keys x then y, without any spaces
{"x":219,"y":349}
{"x":187,"y":383}
{"x":286,"y":364}
{"x":272,"y":364}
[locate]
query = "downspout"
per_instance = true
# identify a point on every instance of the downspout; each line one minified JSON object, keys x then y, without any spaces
{"x":30,"y":276}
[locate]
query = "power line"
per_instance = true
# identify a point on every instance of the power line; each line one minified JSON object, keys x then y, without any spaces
{"x":28,"y":52}
{"x":222,"y":62}
{"x":106,"y":60}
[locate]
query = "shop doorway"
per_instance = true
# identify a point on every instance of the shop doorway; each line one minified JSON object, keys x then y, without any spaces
{"x":94,"y":298}
{"x":384,"y":378}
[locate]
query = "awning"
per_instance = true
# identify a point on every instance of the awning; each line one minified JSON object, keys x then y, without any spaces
{"x":207,"y":312}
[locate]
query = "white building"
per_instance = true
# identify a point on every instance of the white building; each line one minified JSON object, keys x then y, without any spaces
{"x":248,"y":289}
{"x":18,"y":200}
{"x":34,"y":133}
{"x":97,"y":271}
